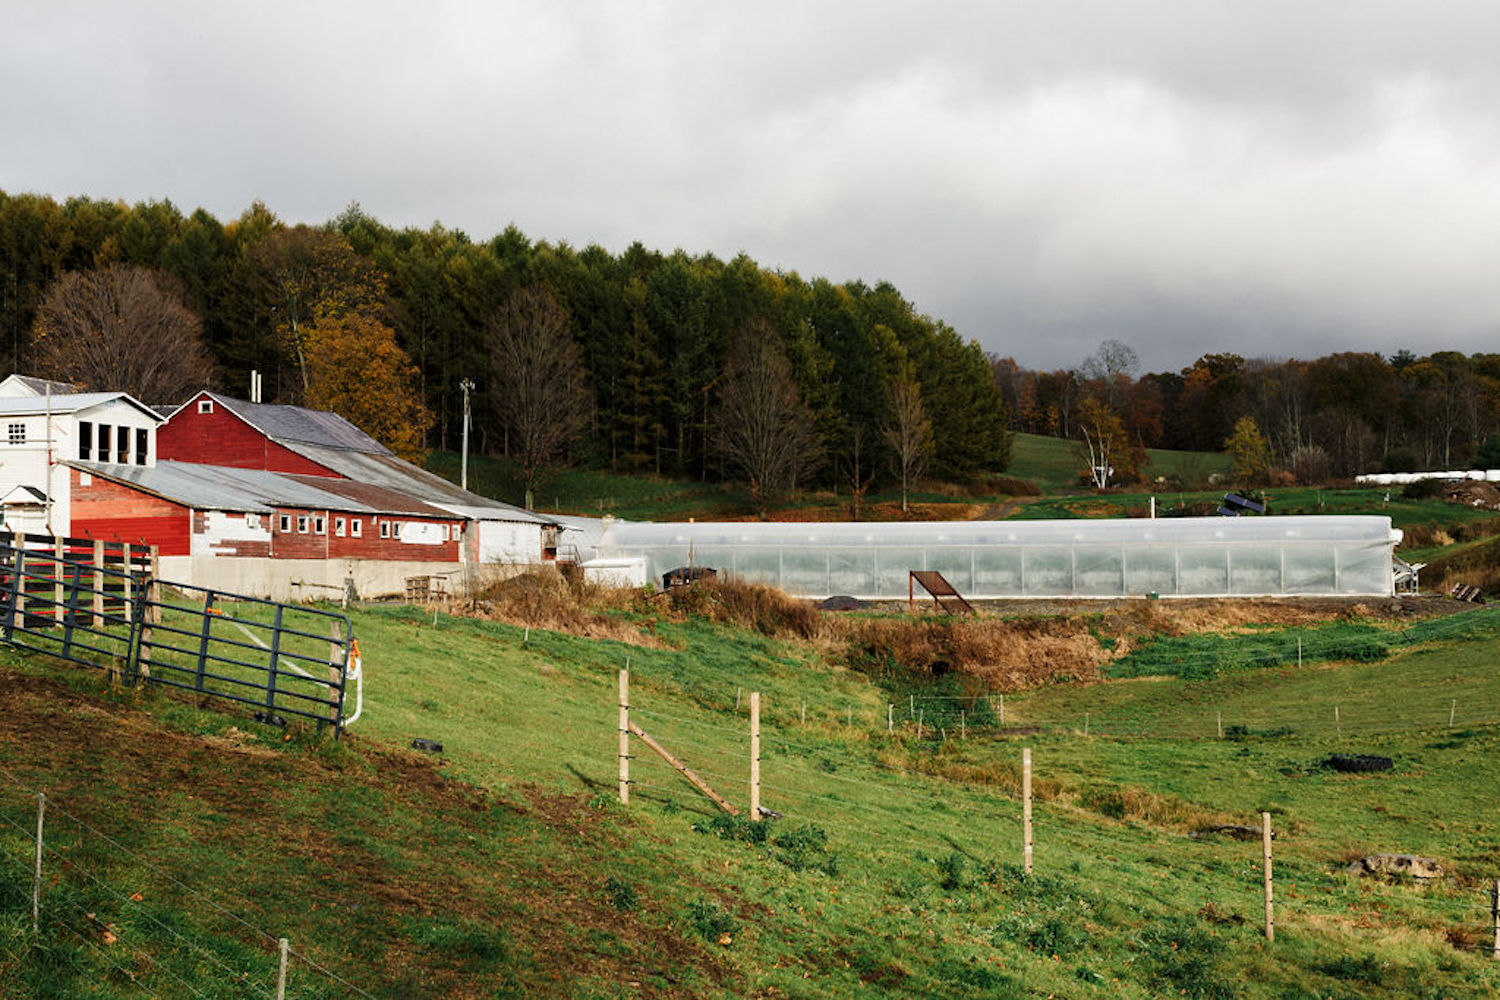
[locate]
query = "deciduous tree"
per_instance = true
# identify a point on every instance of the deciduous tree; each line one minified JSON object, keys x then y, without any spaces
{"x":538,"y":384}
{"x":909,"y":433}
{"x":764,"y":429}
{"x":309,"y":275}
{"x":356,"y":369}
{"x":121,"y":328}
{"x":1251,"y":452}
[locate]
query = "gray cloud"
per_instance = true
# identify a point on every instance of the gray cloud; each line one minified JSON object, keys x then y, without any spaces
{"x":1284,"y":179}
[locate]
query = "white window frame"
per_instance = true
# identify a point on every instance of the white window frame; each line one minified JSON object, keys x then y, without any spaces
{"x":205,"y":406}
{"x":356,"y":528}
{"x":396,"y":530}
{"x":252,"y":522}
{"x":285,"y":524}
{"x":320,"y":524}
{"x":301,"y":524}
{"x":385,"y":529}
{"x":339,"y":527}
{"x":15,"y":433}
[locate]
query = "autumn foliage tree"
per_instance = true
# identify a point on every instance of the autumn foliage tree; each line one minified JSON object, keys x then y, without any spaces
{"x":356,"y":369}
{"x":1251,"y":452}
{"x":121,"y":328}
{"x":309,"y":276}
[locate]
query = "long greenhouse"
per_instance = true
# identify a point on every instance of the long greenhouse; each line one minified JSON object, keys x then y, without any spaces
{"x":1168,"y":557}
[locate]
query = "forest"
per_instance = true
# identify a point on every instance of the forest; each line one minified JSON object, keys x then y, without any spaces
{"x":665,"y":363}
{"x":671,"y":364}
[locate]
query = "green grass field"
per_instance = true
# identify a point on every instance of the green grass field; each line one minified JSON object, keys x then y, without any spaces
{"x":1054,"y":463}
{"x":507,"y":867}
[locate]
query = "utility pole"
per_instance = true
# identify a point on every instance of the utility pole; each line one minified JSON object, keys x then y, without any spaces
{"x":467,"y":385}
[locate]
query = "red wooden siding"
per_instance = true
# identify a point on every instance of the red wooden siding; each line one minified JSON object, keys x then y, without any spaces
{"x":221,"y":438}
{"x":293,"y":544}
{"x":103,"y":509}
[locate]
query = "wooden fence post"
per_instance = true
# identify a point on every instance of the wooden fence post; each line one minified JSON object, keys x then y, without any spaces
{"x":1026,"y":808}
{"x":755,"y":756}
{"x":98,"y":583}
{"x":1265,"y":843}
{"x":625,"y":737}
{"x":283,"y":946}
{"x":153,"y":592}
{"x":127,"y":594}
{"x":36,"y":884}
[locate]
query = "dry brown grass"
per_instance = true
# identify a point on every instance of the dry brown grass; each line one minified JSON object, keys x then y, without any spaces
{"x":545,"y":599}
{"x":1005,"y":653}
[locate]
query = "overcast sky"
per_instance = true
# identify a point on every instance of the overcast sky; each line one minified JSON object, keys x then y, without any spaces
{"x":1270,"y":178}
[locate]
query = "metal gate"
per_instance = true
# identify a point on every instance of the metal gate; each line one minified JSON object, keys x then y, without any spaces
{"x":284,"y":660}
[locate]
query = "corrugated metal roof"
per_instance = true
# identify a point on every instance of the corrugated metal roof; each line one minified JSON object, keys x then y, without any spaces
{"x":393,"y":473}
{"x":31,"y":406}
{"x":215,"y":487}
{"x":374,"y":497}
{"x":39,"y":386}
{"x":25,"y":495}
{"x":287,"y":424}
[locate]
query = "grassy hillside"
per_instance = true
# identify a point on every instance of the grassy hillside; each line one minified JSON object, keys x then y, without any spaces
{"x":1051,"y":463}
{"x":1054,"y":464}
{"x":506,"y":867}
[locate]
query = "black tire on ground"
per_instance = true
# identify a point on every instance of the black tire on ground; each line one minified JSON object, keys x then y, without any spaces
{"x":1359,"y":763}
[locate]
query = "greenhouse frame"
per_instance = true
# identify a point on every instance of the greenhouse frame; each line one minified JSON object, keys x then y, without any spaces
{"x":1307,"y":556}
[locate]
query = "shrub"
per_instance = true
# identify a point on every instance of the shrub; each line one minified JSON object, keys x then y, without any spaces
{"x":621,"y":895}
{"x":710,"y":920}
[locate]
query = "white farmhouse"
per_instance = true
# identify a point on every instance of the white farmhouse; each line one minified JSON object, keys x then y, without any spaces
{"x":43,"y":424}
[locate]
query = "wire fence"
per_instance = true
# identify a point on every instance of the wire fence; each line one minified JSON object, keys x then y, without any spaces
{"x":102,"y":913}
{"x":886,"y":816}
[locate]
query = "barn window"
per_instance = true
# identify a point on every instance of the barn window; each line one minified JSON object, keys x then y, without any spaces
{"x":395,"y":529}
{"x":85,"y":440}
{"x":385,"y":529}
{"x":301,"y":524}
{"x":205,"y":406}
{"x":16,"y":434}
{"x":142,"y":444}
{"x":356,"y":527}
{"x":285,"y":523}
{"x":104,"y":437}
{"x":122,"y":445}
{"x":319,"y":524}
{"x":338,"y":526}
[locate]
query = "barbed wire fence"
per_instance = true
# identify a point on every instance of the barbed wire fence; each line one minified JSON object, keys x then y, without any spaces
{"x":107,"y":913}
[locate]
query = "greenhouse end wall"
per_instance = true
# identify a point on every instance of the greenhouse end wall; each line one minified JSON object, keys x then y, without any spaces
{"x":1172,"y":557}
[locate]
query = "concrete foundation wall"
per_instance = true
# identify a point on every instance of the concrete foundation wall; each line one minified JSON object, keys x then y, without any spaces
{"x":310,"y":579}
{"x":307,"y":579}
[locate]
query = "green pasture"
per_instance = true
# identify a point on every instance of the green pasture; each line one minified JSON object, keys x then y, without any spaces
{"x":894,"y":868}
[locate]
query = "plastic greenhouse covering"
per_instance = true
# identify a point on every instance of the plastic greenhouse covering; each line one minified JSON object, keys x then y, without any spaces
{"x":1169,"y":557}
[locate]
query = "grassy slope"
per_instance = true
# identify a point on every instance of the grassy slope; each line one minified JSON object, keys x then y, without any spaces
{"x":427,"y":888}
{"x":1053,"y":463}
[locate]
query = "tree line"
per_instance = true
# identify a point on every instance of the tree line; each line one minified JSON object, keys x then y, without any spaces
{"x":643,"y":359}
{"x":1334,"y":416}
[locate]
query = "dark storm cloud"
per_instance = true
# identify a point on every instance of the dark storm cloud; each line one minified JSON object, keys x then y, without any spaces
{"x":1195,"y":177}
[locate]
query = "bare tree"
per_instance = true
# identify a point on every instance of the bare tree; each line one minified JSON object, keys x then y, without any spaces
{"x":909,"y":433}
{"x":763,"y":427}
{"x":121,"y":328}
{"x":538,"y":382}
